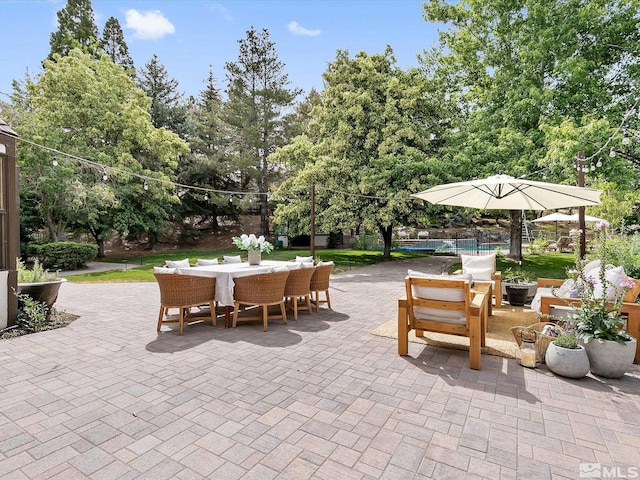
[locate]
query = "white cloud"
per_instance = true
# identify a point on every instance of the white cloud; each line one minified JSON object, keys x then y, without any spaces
{"x":151,"y":25}
{"x":297,"y":29}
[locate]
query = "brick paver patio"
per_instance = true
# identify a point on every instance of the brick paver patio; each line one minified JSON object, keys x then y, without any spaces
{"x":109,"y":398}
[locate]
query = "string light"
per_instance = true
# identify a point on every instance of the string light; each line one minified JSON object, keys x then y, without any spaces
{"x":55,"y":161}
{"x":206,"y":197}
{"x":105,"y":177}
{"x":146,"y":185}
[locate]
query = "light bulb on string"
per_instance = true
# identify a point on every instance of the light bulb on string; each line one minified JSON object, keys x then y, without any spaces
{"x":146,"y":185}
{"x":612,"y":152}
{"x":105,"y":177}
{"x":55,"y":161}
{"x":625,"y":138}
{"x":206,"y":197}
{"x":230,"y":199}
{"x":592,"y":167}
{"x":599,"y":162}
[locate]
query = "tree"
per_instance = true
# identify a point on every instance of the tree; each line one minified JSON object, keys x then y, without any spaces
{"x":514,"y":67}
{"x":114,"y":45}
{"x":154,"y":80}
{"x":209,"y":165}
{"x":258,"y":99}
{"x":367,"y":148}
{"x":76,"y":29}
{"x":121,"y":170}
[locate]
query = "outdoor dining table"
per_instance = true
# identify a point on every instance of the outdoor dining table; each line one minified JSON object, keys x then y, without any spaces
{"x":226,"y":272}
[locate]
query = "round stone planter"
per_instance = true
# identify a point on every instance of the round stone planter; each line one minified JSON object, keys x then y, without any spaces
{"x":610,"y":359}
{"x":46,"y":292}
{"x":567,"y":362}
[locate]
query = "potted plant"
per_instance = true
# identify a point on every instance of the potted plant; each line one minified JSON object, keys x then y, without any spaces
{"x":517,"y":284}
{"x":39,"y":283}
{"x":254,"y":247}
{"x":566,"y":357}
{"x":596,"y":317}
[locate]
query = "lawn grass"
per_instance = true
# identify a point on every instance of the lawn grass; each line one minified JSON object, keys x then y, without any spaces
{"x":143,"y":271}
{"x":552,"y":265}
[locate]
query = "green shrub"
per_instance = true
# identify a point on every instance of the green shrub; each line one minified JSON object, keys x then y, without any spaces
{"x":32,"y":314}
{"x":567,"y":340}
{"x":35,"y":275}
{"x":63,"y":255}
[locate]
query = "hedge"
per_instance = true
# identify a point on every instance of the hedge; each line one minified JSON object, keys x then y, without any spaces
{"x":63,"y":255}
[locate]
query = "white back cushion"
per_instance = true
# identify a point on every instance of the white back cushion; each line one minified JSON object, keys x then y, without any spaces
{"x":232,"y":259}
{"x":304,"y":259}
{"x":163,"y":270}
{"x":177,"y":263}
{"x":203,"y":262}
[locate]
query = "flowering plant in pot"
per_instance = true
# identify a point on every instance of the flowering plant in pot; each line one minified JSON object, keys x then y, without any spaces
{"x":596,"y":318}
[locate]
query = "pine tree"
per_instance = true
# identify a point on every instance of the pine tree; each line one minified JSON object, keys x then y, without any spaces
{"x":113,"y":44}
{"x":163,"y":91}
{"x":258,"y":98}
{"x":76,"y":29}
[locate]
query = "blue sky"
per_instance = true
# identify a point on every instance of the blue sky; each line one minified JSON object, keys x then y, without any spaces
{"x":190,"y":35}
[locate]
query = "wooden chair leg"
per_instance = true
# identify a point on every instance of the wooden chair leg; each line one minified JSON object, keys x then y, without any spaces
{"x":284,"y":313}
{"x":326,"y":292}
{"x":309,"y":308}
{"x":403,"y":328}
{"x":160,"y":317}
{"x":236,"y":307}
{"x":317,"y":297}
{"x":265,"y":315}
{"x":181,"y":321}
{"x":212,"y":308}
{"x":295,"y":308}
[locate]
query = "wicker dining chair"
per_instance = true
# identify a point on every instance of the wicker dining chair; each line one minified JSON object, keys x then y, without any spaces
{"x":298,"y":287}
{"x":184,"y":292}
{"x":262,"y":291}
{"x":320,"y":283}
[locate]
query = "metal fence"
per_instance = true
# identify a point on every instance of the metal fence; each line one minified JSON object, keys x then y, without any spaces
{"x":472,"y":242}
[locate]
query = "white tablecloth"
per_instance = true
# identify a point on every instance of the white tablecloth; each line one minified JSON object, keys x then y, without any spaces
{"x":226,"y":272}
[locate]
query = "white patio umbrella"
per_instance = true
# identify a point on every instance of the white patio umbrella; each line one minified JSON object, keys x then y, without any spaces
{"x":563,"y":217}
{"x":503,"y":192}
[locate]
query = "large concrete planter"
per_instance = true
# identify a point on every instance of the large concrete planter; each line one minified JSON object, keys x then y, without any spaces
{"x":610,"y":359}
{"x":567,"y":362}
{"x":46,"y":292}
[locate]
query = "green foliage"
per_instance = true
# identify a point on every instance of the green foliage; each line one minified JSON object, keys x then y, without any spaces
{"x":76,"y":29}
{"x":516,"y":275}
{"x":622,"y":250}
{"x":567,"y":340}
{"x":37,"y":273}
{"x":366,"y":149}
{"x":114,"y":45}
{"x":63,"y":255}
{"x":258,"y":97}
{"x":105,"y":120}
{"x":32,"y":314}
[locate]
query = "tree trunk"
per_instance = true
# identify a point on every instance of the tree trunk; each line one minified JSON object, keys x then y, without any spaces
{"x":515,"y":246}
{"x":51,"y":226}
{"x":387,"y":236}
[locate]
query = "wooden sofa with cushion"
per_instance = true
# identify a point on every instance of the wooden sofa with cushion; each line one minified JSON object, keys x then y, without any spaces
{"x":629,"y":309}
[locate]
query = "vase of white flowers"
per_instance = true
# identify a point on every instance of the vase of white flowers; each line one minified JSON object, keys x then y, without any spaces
{"x":254,"y":247}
